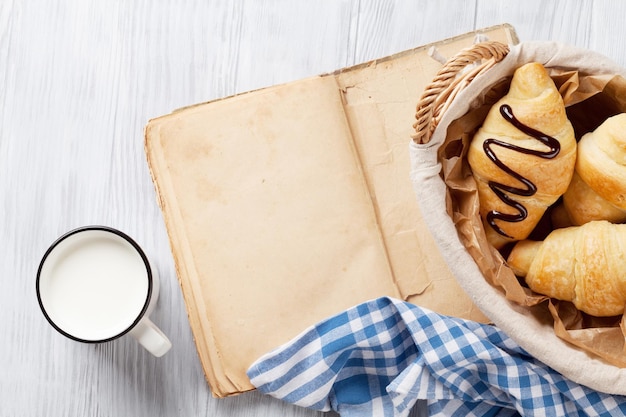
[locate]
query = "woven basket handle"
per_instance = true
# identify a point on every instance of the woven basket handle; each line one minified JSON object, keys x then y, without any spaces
{"x":447,"y":84}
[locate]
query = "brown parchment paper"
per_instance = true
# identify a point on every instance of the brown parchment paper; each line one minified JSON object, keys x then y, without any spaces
{"x":589,"y":100}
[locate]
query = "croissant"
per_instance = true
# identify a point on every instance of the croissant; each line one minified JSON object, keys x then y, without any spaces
{"x":582,"y":264}
{"x":523,"y":156}
{"x":598,"y":190}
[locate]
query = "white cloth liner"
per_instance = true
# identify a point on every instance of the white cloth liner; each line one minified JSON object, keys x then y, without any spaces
{"x":537,"y":338}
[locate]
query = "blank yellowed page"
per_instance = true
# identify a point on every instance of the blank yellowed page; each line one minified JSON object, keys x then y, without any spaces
{"x":380,"y":100}
{"x":270,"y":219}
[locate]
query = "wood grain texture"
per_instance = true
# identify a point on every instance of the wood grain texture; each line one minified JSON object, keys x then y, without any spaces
{"x":388,"y":27}
{"x":78,"y":82}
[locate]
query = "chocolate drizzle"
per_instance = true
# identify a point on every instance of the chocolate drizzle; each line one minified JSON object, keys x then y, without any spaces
{"x":528,"y":188}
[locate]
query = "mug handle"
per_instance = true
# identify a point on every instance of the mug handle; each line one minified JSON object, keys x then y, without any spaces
{"x":151,"y":337}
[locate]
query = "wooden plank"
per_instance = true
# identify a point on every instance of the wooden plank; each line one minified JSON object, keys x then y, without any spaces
{"x":385,"y":28}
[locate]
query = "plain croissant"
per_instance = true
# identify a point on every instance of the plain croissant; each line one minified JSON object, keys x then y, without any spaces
{"x":598,"y":190}
{"x":523,"y":156}
{"x":582,"y":264}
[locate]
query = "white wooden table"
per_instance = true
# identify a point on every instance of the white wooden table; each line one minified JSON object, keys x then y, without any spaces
{"x":78,"y":82}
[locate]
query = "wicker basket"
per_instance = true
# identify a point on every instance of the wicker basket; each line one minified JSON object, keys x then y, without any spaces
{"x":463,"y":81}
{"x":449,"y":81}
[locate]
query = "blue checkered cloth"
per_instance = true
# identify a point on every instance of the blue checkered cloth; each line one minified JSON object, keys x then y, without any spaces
{"x":380,"y":357}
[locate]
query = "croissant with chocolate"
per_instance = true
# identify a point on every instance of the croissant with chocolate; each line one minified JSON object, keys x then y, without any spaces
{"x":523,"y":156}
{"x":598,"y":189}
{"x":582,"y":264}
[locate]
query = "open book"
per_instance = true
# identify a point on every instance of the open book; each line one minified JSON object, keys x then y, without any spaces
{"x":292,"y":203}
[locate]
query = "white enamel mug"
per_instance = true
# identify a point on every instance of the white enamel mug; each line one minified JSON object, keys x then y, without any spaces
{"x":95,"y":284}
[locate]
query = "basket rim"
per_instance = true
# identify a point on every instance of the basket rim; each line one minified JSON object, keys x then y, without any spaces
{"x":456,"y":74}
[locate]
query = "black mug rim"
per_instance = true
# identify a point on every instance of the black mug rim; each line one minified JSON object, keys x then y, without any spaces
{"x":104,"y":229}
